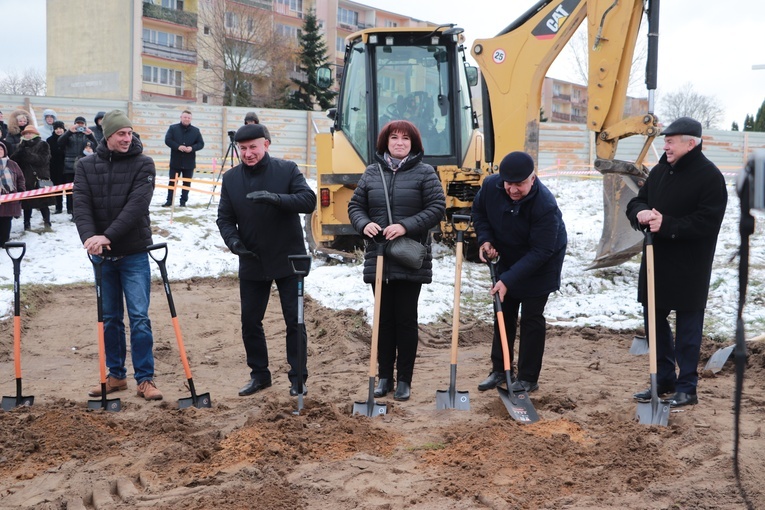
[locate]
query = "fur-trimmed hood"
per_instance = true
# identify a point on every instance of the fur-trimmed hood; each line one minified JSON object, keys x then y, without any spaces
{"x":13,"y":124}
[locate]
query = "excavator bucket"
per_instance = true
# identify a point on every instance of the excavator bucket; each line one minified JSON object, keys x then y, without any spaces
{"x":619,"y":242}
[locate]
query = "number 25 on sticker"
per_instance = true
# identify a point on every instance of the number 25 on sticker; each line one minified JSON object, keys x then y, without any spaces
{"x":498,"y":56}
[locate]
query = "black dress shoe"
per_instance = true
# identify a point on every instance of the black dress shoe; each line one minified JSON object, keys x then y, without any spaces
{"x":384,"y":385}
{"x":680,"y":399}
{"x":645,"y":395}
{"x":294,"y":389}
{"x":254,"y":386}
{"x":493,"y":380}
{"x":403,"y":390}
{"x":167,"y":204}
{"x":527,"y":386}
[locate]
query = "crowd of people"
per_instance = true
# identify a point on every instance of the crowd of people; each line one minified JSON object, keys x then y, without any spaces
{"x":518,"y":225}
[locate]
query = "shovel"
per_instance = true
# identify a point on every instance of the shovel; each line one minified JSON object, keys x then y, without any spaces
{"x":517,"y":403}
{"x":370,"y":407}
{"x":9,"y":403}
{"x":639,"y":345}
{"x":718,"y":359}
{"x":198,"y":401}
{"x":107,"y":404}
{"x":451,"y":398}
{"x":301,"y":269}
{"x":655,"y":412}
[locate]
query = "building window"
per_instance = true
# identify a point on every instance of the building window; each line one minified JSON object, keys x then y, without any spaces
{"x":294,"y":5}
{"x":207,"y":30}
{"x":390,"y":24}
{"x":231,"y":20}
{"x":204,"y":98}
{"x":162,"y":38}
{"x":162,"y":76}
{"x":347,"y":16}
{"x":173,"y":4}
{"x":288,"y":31}
{"x":340,"y":44}
{"x":206,"y":64}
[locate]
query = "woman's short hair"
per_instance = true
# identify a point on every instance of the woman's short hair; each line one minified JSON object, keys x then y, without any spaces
{"x":399,"y":126}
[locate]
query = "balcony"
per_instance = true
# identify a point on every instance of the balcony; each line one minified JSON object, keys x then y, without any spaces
{"x":260,"y":4}
{"x":286,"y":11}
{"x":158,"y":12}
{"x":563,"y":117}
{"x":562,"y":97}
{"x":170,"y":53}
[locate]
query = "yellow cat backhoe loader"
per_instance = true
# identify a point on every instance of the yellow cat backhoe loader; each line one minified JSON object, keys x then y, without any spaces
{"x":421,"y":74}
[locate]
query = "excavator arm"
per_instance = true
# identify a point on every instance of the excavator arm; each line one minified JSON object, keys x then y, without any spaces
{"x":514,"y":65}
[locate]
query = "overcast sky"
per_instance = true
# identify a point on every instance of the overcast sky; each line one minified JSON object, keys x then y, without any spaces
{"x":709,"y":43}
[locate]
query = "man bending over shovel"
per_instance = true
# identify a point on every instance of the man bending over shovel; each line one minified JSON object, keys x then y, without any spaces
{"x":683,"y":203}
{"x":517,"y":219}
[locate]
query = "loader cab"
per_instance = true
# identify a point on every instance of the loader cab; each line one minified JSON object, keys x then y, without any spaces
{"x":420,"y":76}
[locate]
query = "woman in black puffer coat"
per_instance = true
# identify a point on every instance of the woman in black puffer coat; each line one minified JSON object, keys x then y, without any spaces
{"x":33,"y":157}
{"x":417,"y":204}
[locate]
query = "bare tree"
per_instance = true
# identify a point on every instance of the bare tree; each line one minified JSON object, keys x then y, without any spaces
{"x":30,"y":82}
{"x":686,"y":102}
{"x":245,"y":61}
{"x":579,"y":51}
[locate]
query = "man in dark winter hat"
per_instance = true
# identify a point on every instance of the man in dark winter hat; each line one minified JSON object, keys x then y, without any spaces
{"x":517,"y":219}
{"x":682,"y":203}
{"x":261,"y":201}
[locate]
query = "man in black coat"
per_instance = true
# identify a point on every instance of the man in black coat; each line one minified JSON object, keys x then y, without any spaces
{"x":259,"y":219}
{"x":517,"y":219}
{"x":682,"y":203}
{"x":184,"y":141}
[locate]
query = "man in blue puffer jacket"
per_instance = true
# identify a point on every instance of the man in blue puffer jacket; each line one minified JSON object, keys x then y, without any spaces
{"x":517,"y":219}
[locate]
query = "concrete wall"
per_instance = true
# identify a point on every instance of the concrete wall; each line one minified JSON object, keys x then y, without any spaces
{"x":87,"y":56}
{"x":563,"y":146}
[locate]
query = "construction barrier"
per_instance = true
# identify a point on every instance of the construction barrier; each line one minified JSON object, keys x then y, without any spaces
{"x":50,"y":191}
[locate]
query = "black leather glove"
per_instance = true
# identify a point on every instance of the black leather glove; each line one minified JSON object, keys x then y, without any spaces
{"x":264,"y":197}
{"x":238,"y":248}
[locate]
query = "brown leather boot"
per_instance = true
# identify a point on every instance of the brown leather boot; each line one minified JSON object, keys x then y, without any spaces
{"x":112,"y":384}
{"x":149,"y":391}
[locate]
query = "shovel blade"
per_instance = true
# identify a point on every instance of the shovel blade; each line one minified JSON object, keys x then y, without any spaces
{"x":447,"y":399}
{"x":370,"y":408}
{"x":718,"y":359}
{"x":639,"y":346}
{"x":518,"y":405}
{"x":655,"y":412}
{"x":9,"y":403}
{"x":113,"y":405}
{"x":200,"y":402}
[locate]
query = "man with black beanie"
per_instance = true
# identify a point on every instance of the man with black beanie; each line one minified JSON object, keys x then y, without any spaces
{"x":259,"y":220}
{"x":517,"y":219}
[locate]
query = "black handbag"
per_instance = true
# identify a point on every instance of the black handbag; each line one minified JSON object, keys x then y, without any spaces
{"x":43,"y":183}
{"x":404,"y":250}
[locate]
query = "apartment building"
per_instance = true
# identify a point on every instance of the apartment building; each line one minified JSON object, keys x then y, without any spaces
{"x":171,"y":50}
{"x":566,"y":102}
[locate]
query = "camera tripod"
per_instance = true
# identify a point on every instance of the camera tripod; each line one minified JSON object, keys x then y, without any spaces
{"x":229,"y":155}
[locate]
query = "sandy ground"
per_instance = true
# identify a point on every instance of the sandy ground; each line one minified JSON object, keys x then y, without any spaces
{"x":587,"y":451}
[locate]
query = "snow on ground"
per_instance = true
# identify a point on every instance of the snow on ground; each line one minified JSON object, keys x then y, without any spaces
{"x":603,"y":297}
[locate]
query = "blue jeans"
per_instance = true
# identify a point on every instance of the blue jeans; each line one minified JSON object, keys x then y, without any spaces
{"x":129,"y":276}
